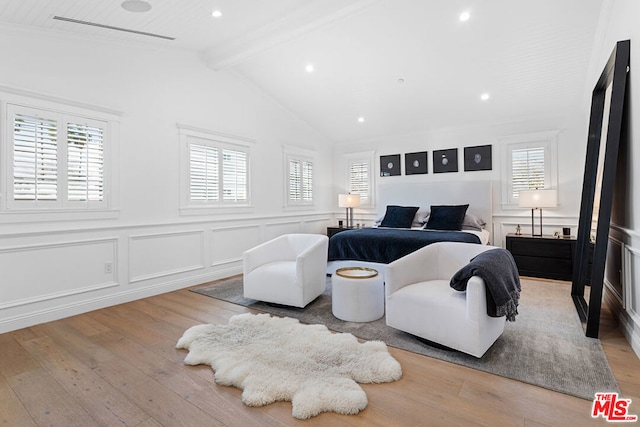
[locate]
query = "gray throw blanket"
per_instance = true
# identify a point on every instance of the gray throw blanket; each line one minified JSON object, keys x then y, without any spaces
{"x":500,"y":274}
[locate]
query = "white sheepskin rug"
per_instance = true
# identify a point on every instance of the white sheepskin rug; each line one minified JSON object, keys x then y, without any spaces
{"x":272,"y":359}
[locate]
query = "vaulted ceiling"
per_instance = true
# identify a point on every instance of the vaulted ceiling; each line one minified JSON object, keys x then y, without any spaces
{"x":402,"y":66}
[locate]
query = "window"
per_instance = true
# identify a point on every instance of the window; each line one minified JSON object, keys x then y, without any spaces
{"x":234,"y":175}
{"x":530,"y":163}
{"x":527,"y":169}
{"x":300,"y":181}
{"x":299,"y":177}
{"x":217,"y":175}
{"x":56,"y":161}
{"x":359,"y":179}
{"x":217,"y":170}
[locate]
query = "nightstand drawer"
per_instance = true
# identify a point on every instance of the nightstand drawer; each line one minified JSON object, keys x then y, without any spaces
{"x":549,"y":268}
{"x":539,"y":256}
{"x":331,"y":231}
{"x":545,"y":249}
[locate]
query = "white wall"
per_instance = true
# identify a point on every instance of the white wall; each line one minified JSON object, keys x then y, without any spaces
{"x":50,"y":269}
{"x":571,"y":151}
{"x":620,"y":22}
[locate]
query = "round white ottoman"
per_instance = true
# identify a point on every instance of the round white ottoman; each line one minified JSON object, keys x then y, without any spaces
{"x":357,"y":294}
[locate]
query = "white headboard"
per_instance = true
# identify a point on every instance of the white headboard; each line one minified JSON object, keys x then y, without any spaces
{"x":477,"y":194}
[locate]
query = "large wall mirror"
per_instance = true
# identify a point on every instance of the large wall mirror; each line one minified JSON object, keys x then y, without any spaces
{"x":605,"y":126}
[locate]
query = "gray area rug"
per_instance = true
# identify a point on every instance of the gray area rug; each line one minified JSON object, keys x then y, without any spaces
{"x":545,"y":346}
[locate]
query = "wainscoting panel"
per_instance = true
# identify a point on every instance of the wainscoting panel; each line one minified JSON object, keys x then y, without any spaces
{"x":614,"y":279}
{"x":48,"y":275}
{"x":317,"y":225}
{"x":163,"y":254}
{"x":632,"y":282}
{"x":276,"y":229}
{"x":228,"y":243}
{"x":53,"y":270}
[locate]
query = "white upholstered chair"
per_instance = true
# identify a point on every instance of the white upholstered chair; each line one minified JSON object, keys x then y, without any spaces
{"x":289,"y":270}
{"x":420,"y":301}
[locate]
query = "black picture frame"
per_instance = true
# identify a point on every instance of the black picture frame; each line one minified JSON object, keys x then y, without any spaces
{"x":445,"y":160}
{"x":390,"y":165}
{"x":607,"y":103}
{"x":477,"y":158}
{"x":416,"y":163}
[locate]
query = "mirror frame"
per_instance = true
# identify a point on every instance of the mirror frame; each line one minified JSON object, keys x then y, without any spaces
{"x":590,"y":254}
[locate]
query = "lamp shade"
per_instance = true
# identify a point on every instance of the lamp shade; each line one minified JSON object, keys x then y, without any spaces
{"x":538,"y":198}
{"x":348,"y":200}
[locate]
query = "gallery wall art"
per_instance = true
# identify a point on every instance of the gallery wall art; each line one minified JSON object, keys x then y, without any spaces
{"x":415,"y":163}
{"x":390,"y":165}
{"x":445,"y":160}
{"x":477,"y":158}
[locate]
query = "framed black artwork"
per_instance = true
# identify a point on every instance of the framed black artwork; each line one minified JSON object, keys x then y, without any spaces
{"x":415,"y":163}
{"x":445,"y":160}
{"x":390,"y":165}
{"x":477,"y":158}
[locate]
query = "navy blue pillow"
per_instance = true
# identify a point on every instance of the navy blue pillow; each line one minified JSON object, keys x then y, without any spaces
{"x":399,"y":216}
{"x":446,"y":217}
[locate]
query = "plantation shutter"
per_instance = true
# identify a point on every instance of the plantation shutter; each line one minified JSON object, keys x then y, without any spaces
{"x":203,"y":176}
{"x":234,"y":175}
{"x":527,"y":169}
{"x":300,"y":180}
{"x":85,"y":163}
{"x":295,"y":180}
{"x":307,"y":181}
{"x":217,"y":174}
{"x":359,"y":179}
{"x":35,"y":158}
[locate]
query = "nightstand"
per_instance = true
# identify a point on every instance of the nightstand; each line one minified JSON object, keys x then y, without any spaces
{"x":543,"y":256}
{"x":335,"y":230}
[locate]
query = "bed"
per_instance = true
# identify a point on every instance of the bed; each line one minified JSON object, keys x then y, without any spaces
{"x":376,"y":247}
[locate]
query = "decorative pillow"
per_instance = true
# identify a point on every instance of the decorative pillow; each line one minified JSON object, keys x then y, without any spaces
{"x":447,"y":217}
{"x":420,"y":219}
{"x":472,"y":222}
{"x":399,"y":216}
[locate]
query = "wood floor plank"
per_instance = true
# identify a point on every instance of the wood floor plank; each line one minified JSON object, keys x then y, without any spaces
{"x":14,"y":358}
{"x":12,"y":411}
{"x":106,"y":404}
{"x":126,"y":355}
{"x":47,"y":402}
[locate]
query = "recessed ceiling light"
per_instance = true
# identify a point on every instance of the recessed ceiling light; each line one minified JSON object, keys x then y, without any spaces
{"x":485,"y":96}
{"x":464,"y":16}
{"x":360,"y":119}
{"x":216,"y":14}
{"x":309,"y":68}
{"x":400,"y":81}
{"x":136,"y":6}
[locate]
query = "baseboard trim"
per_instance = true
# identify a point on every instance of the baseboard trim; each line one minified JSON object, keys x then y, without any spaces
{"x":25,"y":320}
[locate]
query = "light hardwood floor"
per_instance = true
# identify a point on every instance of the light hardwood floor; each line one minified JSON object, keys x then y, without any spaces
{"x":118,"y":367}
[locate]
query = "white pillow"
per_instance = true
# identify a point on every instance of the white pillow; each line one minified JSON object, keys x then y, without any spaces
{"x":472,"y":222}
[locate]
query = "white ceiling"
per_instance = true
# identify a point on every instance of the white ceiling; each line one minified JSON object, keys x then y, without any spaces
{"x":532,"y":56}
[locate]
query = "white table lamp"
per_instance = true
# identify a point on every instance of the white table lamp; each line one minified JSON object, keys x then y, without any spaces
{"x":538,"y":199}
{"x":349,"y":201}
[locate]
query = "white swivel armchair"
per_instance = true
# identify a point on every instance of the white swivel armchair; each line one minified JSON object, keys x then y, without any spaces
{"x":288,"y":270}
{"x":420,"y":301}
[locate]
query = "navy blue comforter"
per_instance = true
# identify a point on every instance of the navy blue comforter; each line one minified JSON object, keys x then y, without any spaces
{"x":385,"y":245}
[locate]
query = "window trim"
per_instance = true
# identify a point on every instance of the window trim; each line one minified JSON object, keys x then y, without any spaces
{"x":23,"y":99}
{"x":221,"y":141}
{"x":369,"y":158}
{"x":547,"y":140}
{"x":291,"y":153}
